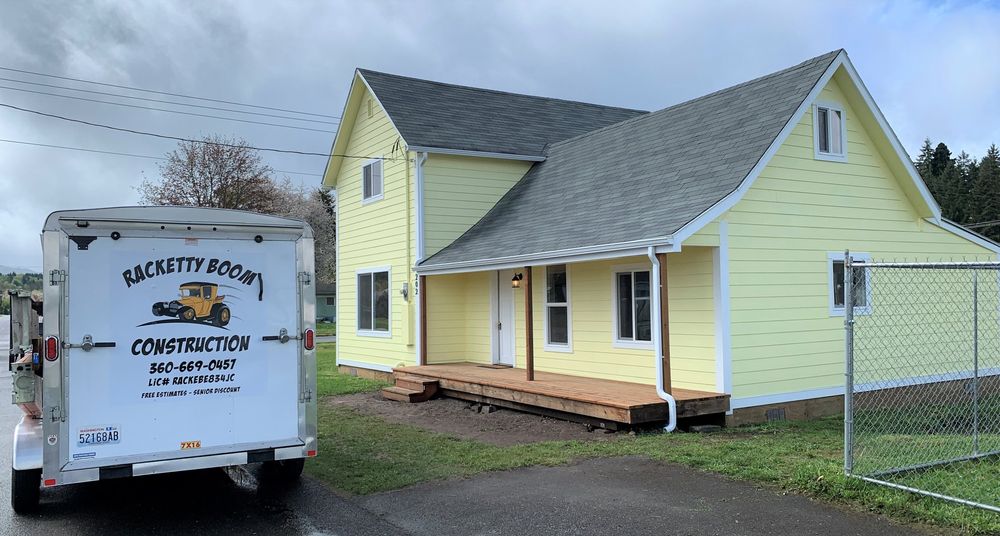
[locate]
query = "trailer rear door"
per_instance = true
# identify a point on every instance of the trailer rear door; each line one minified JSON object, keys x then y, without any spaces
{"x":179,"y":365}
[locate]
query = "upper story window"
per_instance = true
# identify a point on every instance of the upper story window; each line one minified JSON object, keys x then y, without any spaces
{"x":557,"y":319}
{"x":830,"y":132}
{"x":371,"y":181}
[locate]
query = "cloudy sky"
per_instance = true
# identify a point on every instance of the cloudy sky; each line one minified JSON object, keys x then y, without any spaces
{"x":931,"y":66}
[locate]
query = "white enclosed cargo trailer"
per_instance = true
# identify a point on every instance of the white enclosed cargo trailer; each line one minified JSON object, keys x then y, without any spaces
{"x":175,"y":338}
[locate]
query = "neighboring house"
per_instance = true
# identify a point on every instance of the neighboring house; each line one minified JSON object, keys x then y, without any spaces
{"x":326,"y":302}
{"x":747,"y":198}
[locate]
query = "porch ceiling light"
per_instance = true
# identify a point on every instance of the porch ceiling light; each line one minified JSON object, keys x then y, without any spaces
{"x":515,"y":282}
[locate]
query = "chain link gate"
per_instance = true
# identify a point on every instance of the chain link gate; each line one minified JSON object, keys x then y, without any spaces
{"x":922,"y":404}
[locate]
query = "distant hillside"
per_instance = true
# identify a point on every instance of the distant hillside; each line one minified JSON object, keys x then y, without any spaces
{"x":4,"y":269}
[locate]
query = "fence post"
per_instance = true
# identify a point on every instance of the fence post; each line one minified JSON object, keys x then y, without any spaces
{"x":849,"y":373}
{"x":975,"y":362}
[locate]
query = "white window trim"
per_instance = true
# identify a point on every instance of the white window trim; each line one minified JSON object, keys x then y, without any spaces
{"x":627,"y":343}
{"x":566,"y":347}
{"x":839,"y":311}
{"x":357,"y":309}
{"x":374,"y":198}
{"x":831,"y":157}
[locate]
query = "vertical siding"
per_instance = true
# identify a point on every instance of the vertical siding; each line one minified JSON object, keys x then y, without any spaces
{"x":799,"y":209}
{"x":459,"y":190}
{"x":375,"y":234}
{"x":591,"y":302}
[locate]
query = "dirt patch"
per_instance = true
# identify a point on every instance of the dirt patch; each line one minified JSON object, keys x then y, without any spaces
{"x":502,"y":427}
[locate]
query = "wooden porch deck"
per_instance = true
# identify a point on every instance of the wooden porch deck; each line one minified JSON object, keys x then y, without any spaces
{"x":606,"y":403}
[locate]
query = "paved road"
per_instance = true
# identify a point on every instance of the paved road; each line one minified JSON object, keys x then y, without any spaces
{"x":327,"y":338}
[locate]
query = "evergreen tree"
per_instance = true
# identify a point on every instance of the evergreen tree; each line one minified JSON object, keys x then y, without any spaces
{"x":988,"y":185}
{"x":940,"y":159}
{"x":923,"y":162}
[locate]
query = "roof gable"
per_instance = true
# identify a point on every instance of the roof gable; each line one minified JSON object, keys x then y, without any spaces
{"x":438,"y":115}
{"x":642,"y":179}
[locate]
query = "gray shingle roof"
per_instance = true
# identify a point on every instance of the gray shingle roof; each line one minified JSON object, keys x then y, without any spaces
{"x":433,"y":114}
{"x":642,"y":178}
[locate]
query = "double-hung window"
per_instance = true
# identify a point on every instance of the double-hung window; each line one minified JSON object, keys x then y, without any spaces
{"x":373,"y":302}
{"x":557,"y":316}
{"x":861,"y":294}
{"x":830,"y":132}
{"x":371,"y":181}
{"x":633,"y":307}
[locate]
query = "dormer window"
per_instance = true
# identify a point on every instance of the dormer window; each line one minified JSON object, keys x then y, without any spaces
{"x":830,"y":132}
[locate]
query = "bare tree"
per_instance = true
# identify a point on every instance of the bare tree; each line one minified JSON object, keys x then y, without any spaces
{"x":217,"y":172}
{"x":228,"y":173}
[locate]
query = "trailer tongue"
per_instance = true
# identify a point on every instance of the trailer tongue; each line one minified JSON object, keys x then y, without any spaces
{"x":169,"y":348}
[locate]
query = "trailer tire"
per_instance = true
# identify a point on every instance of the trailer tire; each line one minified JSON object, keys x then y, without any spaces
{"x":221,"y":315}
{"x":25,"y":490}
{"x":285,"y":470}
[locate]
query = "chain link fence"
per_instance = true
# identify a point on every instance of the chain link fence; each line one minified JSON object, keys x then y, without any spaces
{"x":922,"y":411}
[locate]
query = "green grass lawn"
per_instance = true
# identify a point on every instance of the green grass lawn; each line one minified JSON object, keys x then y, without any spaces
{"x":329,"y":382}
{"x":364,"y":454}
{"x":325,"y":330}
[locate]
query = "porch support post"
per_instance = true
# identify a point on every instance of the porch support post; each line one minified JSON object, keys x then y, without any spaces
{"x":664,"y":323}
{"x":529,"y":339}
{"x":422,"y":320}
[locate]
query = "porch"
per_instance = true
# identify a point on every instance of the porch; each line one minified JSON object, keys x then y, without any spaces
{"x":603,"y":403}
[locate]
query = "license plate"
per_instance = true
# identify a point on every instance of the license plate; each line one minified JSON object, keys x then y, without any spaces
{"x":98,"y":435}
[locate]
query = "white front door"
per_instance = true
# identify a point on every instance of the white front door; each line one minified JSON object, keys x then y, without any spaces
{"x":503,"y":319}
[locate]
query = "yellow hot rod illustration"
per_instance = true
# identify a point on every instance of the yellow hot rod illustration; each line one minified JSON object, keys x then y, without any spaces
{"x":199,"y":302}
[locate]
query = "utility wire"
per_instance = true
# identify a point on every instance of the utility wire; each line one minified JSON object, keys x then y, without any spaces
{"x":165,"y":93}
{"x":166,"y":110}
{"x":189,"y":140}
{"x":19,"y":142}
{"x":147,"y":99}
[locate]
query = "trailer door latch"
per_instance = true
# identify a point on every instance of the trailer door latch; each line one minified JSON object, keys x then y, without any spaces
{"x":88,"y":344}
{"x":281,"y":337}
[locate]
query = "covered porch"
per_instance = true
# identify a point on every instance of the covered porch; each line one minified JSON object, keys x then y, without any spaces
{"x":587,"y":341}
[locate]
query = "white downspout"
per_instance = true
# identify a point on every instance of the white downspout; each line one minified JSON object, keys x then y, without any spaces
{"x":418,"y":164}
{"x":657,"y":344}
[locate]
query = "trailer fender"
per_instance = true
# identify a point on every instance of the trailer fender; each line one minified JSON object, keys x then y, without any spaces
{"x":28,"y":441}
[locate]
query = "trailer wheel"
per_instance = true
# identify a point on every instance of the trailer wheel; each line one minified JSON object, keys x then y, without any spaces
{"x":221,"y":315}
{"x":285,"y":469}
{"x":187,"y":314}
{"x":25,"y":489}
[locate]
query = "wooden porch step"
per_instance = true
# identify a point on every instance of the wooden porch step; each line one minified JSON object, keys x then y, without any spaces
{"x":411,"y":389}
{"x":416,"y":383}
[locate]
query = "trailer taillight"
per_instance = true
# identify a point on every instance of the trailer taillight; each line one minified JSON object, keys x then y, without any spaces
{"x":49,"y":482}
{"x":310,"y":453}
{"x":309,"y":341}
{"x":51,"y":348}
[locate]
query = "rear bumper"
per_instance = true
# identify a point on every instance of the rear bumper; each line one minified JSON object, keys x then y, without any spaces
{"x":108,"y":472}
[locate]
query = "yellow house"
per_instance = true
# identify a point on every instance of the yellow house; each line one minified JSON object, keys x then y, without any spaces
{"x":511,"y":248}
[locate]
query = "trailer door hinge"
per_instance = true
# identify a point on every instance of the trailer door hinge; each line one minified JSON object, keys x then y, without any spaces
{"x":56,"y":413}
{"x":305,"y":278}
{"x":307,"y":396}
{"x":57,"y":276}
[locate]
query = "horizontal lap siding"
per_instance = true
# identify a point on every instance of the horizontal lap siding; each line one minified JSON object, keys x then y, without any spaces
{"x":459,"y":190}
{"x":692,"y":323}
{"x":373,"y":235}
{"x":458,"y":318}
{"x":799,"y":209}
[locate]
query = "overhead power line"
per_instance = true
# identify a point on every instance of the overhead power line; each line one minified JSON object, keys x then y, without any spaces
{"x":166,"y":110}
{"x":147,"y":99}
{"x":115,"y":153}
{"x":177,"y":138}
{"x":131,"y":88}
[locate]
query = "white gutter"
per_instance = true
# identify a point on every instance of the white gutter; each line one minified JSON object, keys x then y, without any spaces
{"x":654,"y":281}
{"x":418,"y":162}
{"x":480,"y":154}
